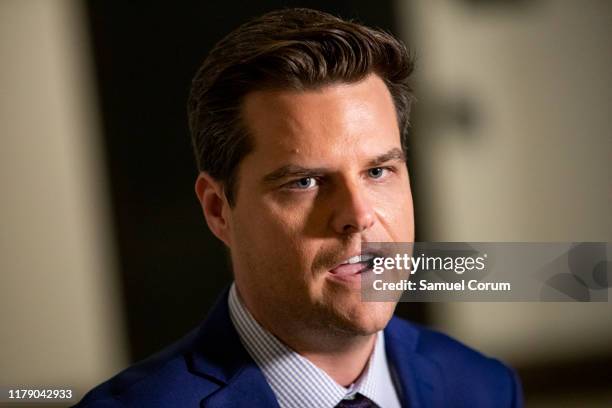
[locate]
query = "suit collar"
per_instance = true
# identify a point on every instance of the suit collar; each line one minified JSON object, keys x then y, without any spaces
{"x":247,"y":388}
{"x":220,"y":357}
{"x":420,"y":378}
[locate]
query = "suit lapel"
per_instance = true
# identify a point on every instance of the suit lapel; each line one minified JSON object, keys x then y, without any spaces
{"x":420,"y":378}
{"x":220,"y":357}
{"x":248,"y":388}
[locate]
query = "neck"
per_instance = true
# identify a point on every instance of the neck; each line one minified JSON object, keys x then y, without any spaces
{"x":345,"y":361}
{"x":342,"y":355}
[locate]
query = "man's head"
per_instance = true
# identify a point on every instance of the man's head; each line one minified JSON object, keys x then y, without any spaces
{"x":298,"y":122}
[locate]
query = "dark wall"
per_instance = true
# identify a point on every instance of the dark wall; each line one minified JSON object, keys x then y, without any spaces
{"x":145,"y":54}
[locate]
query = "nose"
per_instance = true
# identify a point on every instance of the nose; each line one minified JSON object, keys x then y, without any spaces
{"x":352,"y":211}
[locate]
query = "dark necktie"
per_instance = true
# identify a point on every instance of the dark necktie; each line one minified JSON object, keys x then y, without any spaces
{"x":358,"y":402}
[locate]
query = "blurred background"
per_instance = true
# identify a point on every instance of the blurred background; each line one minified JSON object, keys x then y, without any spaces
{"x":105,"y":256}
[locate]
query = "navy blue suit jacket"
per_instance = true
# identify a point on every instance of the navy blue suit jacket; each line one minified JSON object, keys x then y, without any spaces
{"x":210,"y":368}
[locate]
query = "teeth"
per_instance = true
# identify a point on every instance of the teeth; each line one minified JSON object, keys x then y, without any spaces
{"x":358,"y":258}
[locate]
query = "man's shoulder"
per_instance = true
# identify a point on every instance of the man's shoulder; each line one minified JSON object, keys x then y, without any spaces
{"x":437,"y":345}
{"x":464,"y":373}
{"x":153,"y":380}
{"x":462,"y":369}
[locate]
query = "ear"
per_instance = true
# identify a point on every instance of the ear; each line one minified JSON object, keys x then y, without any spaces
{"x":214,"y":206}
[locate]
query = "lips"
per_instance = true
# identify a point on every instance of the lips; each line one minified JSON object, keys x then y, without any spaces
{"x":353,"y":265}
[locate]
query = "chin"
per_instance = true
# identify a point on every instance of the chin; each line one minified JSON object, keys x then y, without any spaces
{"x":365,"y":318}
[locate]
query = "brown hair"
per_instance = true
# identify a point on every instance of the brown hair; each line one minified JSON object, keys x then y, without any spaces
{"x":296,"y":49}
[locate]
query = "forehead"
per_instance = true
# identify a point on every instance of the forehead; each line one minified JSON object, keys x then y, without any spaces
{"x":338,"y":118}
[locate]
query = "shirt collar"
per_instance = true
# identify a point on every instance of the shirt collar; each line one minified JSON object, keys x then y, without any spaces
{"x":293,"y":378}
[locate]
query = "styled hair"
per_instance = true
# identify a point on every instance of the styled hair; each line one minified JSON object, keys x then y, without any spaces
{"x":297,"y":49}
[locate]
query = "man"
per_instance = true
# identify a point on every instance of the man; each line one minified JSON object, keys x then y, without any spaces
{"x":299,"y":121}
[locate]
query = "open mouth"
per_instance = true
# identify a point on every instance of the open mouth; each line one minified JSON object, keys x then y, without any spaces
{"x":354,"y":265}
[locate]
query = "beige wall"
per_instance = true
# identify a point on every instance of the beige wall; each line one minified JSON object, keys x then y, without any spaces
{"x":537,"y":164}
{"x":58,"y":294}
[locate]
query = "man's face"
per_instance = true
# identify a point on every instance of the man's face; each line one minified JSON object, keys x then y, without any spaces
{"x":326,"y":173}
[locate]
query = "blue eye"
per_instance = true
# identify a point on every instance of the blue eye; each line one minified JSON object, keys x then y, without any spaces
{"x":304,"y":183}
{"x":376,"y":172}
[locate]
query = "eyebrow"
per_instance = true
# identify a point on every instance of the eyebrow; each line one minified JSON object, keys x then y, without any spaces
{"x":395,"y":154}
{"x":295,"y":171}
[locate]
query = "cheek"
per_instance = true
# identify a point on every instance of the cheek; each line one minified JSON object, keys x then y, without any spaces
{"x":287,"y":216}
{"x":272,"y":253}
{"x":269,"y":229}
{"x":395,"y":211}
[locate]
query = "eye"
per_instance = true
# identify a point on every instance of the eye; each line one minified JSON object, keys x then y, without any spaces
{"x":304,"y":183}
{"x":376,"y":172}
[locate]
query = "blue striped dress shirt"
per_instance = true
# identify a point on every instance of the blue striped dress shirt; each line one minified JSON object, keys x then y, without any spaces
{"x":295,"y":381}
